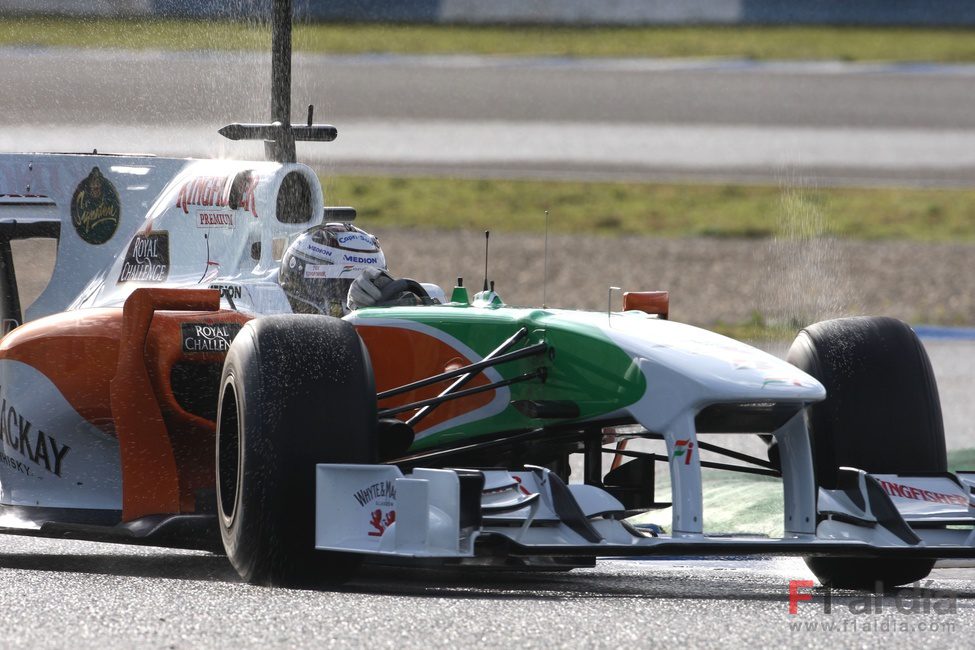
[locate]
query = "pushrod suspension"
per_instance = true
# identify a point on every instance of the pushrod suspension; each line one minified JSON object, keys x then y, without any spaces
{"x":530,"y":351}
{"x":461,"y":381}
{"x":440,"y":399}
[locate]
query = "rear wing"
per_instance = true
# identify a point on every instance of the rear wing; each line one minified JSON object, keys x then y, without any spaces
{"x":90,"y":203}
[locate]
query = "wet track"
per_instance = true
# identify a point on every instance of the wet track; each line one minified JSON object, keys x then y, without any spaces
{"x":834,"y":122}
{"x":77,"y":594}
{"x":81,"y":594}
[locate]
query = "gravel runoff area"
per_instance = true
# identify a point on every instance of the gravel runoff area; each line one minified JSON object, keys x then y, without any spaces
{"x":710,"y":280}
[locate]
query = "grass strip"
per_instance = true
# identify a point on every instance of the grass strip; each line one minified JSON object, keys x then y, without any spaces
{"x":750,"y":42}
{"x":743,"y":503}
{"x":757,"y":329}
{"x":662,"y":210}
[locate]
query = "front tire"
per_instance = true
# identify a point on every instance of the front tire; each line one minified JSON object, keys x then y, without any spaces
{"x":296,"y":390}
{"x":881,"y":415}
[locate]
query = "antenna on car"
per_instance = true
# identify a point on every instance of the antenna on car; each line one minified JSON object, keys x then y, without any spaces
{"x":280,"y":135}
{"x":487,"y":237}
{"x":545,"y":262}
{"x":609,"y":305}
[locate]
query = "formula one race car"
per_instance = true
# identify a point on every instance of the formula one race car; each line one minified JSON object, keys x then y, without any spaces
{"x":161,"y":391}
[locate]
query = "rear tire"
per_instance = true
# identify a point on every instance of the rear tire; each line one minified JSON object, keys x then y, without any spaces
{"x":296,"y":390}
{"x":881,"y":414}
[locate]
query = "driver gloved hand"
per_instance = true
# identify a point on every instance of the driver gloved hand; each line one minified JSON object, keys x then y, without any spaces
{"x":367,"y":289}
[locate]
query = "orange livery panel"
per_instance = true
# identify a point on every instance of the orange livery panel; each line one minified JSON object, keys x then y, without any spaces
{"x":400,"y":356}
{"x":147,"y":375}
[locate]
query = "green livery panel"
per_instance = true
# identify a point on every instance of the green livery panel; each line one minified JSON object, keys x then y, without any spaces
{"x":582,"y":365}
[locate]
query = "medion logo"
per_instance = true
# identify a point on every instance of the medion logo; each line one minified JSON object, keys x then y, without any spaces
{"x":359,"y":259}
{"x":229,"y":291}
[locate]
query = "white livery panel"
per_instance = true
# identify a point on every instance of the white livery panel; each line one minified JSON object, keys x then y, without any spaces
{"x":51,"y":456}
{"x":132,"y":221}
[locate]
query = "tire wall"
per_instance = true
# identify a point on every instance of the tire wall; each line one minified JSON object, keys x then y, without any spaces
{"x":569,"y":12}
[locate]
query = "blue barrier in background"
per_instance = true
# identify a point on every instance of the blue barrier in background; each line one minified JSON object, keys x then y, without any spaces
{"x":859,"y":12}
{"x":414,"y":11}
{"x":572,"y":12}
{"x":209,"y":8}
{"x":945,"y":333}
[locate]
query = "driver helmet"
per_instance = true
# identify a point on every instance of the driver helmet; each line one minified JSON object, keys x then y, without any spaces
{"x":319,"y":266}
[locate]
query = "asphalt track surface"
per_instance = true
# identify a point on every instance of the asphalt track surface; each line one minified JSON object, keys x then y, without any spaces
{"x":84,"y":595}
{"x":833,"y":123}
{"x":87,"y":595}
{"x":827,"y":123}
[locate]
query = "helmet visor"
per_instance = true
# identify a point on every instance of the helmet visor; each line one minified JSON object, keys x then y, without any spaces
{"x":322,"y":296}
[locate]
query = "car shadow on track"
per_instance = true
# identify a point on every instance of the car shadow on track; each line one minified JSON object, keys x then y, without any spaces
{"x":454,"y":583}
{"x":503,"y":584}
{"x":606,"y":581}
{"x":211,"y":568}
{"x":609,"y":580}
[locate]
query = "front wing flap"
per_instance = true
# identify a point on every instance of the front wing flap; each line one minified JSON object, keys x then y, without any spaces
{"x":475,"y":515}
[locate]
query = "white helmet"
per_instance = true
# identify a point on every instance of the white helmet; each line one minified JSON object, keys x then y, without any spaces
{"x":320,"y":265}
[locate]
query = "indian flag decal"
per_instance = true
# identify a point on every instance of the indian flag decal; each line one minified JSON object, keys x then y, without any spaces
{"x":683,"y":449}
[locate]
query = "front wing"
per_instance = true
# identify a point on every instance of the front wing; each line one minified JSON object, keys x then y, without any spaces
{"x":494,"y":516}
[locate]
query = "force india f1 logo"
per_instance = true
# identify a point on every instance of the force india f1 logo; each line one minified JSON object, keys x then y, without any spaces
{"x":685,"y":449}
{"x":21,"y":436}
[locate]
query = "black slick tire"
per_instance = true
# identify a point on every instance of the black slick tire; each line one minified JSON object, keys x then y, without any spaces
{"x":881,"y":414}
{"x":296,"y":390}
